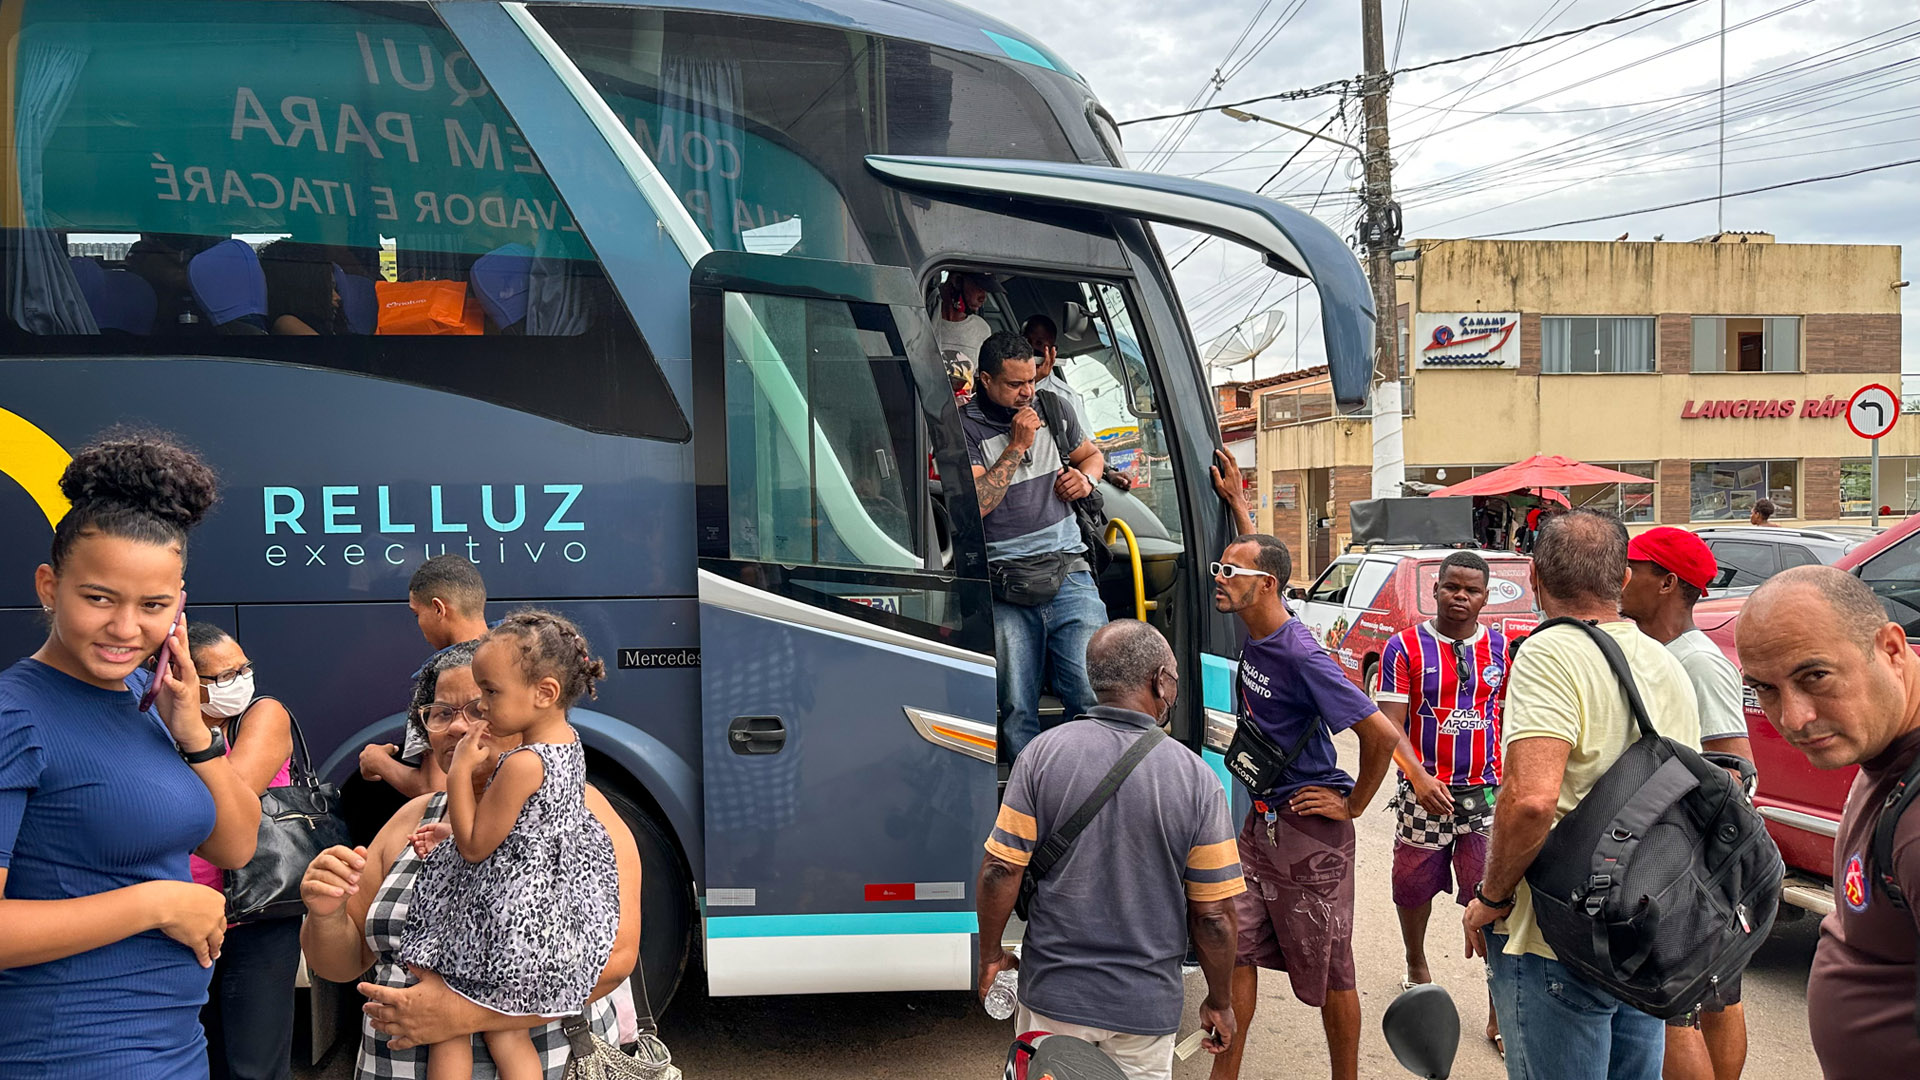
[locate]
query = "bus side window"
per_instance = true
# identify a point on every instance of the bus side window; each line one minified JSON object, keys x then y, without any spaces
{"x":328,"y":185}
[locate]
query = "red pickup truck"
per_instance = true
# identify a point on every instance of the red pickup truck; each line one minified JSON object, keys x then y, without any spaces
{"x":1802,"y":804}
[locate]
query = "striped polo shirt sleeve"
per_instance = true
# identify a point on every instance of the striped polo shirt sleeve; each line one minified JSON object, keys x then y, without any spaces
{"x":1213,"y":862}
{"x":1016,"y":832}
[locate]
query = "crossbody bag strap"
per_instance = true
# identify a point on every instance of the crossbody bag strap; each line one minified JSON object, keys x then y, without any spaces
{"x":1616,"y":660}
{"x":300,"y":763}
{"x":1299,"y":745}
{"x":1063,"y":837}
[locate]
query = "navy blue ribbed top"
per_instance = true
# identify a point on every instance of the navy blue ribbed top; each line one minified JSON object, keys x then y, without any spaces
{"x":94,"y":797}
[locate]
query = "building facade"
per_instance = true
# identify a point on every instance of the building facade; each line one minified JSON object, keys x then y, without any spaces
{"x":1718,"y":369}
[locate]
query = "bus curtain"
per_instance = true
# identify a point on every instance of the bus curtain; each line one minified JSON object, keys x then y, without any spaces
{"x":43,"y":296}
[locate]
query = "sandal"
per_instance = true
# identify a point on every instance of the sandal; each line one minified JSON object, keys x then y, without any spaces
{"x":1499,"y":1046}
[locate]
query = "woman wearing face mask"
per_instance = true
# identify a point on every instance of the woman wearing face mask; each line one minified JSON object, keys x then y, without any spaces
{"x":105,"y":939}
{"x":358,"y":898}
{"x":249,"y":1012}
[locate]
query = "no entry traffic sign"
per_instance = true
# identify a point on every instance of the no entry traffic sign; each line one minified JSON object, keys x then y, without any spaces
{"x":1872,"y":411}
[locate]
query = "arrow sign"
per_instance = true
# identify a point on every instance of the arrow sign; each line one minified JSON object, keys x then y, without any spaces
{"x":1872,"y":411}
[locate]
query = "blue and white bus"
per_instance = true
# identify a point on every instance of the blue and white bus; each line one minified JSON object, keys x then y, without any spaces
{"x":629,"y":304}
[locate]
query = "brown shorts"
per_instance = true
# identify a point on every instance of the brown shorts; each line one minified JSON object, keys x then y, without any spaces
{"x":1297,"y":913}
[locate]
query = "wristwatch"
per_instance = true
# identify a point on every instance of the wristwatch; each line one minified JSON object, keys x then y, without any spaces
{"x":215,"y":747}
{"x":1494,"y":904}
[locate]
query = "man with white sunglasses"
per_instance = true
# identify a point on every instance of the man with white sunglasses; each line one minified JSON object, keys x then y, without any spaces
{"x":1297,"y":846}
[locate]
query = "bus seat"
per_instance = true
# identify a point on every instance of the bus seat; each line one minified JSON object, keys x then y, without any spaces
{"x":92,"y":279}
{"x":230,"y":287}
{"x":358,"y":301}
{"x":501,"y":279}
{"x":130,"y":304}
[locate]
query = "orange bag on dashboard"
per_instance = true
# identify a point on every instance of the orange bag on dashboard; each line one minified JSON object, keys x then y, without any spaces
{"x":426,"y":307}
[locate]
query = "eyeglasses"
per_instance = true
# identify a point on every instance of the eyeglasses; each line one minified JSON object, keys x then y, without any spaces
{"x":438,"y":717}
{"x":1228,"y":571}
{"x":227,"y":678}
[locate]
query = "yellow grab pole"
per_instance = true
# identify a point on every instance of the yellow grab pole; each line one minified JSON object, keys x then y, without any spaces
{"x":1115,"y":525}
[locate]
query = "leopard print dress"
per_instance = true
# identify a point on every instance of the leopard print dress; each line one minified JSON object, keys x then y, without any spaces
{"x":527,"y":930}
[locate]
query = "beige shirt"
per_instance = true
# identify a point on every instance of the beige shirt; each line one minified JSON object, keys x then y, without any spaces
{"x":1560,"y":687}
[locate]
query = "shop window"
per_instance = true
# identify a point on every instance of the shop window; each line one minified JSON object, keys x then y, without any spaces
{"x":1746,"y":344}
{"x":1596,"y":346}
{"x":1899,"y":486}
{"x":1728,"y":490}
{"x":1632,"y":503}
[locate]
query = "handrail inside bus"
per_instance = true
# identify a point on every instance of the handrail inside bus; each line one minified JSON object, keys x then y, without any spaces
{"x":863,"y":536}
{"x":1117,"y":526}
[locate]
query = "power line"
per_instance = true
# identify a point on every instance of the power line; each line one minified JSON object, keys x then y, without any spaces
{"x":1340,"y":85}
{"x":1707,"y":199}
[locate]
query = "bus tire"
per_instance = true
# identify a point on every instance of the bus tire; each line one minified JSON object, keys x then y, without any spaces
{"x":666,"y":898}
{"x":1370,"y":677}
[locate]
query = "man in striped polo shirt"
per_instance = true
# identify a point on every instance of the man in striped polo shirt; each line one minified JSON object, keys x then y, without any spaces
{"x":1045,"y":604}
{"x":1442,"y":680}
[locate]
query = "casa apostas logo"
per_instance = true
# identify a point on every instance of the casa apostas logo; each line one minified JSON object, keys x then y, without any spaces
{"x":1854,"y":885}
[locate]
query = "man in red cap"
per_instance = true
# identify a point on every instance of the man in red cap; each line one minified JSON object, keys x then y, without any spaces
{"x":1669,"y":570}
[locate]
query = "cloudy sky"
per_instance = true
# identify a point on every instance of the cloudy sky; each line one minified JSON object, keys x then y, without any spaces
{"x":1616,"y":119}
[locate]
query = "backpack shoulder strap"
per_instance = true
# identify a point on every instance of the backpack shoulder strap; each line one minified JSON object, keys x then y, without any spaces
{"x":1902,"y":796}
{"x":1057,"y":843}
{"x":1616,"y":660}
{"x":1047,"y":405}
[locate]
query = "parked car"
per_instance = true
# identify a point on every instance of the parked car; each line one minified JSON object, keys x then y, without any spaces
{"x":1365,"y":598}
{"x":1802,"y":804}
{"x":1750,"y":554}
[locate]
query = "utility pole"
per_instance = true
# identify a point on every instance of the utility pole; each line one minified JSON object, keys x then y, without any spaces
{"x":1380,"y":232}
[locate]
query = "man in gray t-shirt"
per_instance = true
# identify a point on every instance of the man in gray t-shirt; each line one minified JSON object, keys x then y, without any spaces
{"x":1670,"y":570}
{"x":1157,"y":863}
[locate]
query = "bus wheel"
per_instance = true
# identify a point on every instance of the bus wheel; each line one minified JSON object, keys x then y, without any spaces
{"x":1370,"y":678}
{"x":666,"y":899}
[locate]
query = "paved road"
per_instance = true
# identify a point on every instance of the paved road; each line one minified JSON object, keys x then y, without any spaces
{"x":945,"y":1036}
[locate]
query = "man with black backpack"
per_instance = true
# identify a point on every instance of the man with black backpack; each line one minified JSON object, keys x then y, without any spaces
{"x":1568,"y":720}
{"x":1033,"y":468}
{"x":1115,"y":844}
{"x":1840,"y":682}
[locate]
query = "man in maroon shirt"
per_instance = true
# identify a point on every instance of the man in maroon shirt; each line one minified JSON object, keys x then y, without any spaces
{"x":1841,"y":684}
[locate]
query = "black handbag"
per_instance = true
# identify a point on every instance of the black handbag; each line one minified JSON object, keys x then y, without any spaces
{"x":297,"y":822}
{"x":1090,"y":510}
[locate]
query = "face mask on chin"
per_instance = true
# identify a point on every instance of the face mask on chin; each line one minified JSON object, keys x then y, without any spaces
{"x":227,"y":702}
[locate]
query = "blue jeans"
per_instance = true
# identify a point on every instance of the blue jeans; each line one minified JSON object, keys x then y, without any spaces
{"x":1559,"y":1027}
{"x":1031,"y":643}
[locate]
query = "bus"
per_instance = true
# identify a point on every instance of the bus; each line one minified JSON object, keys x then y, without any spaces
{"x":628,"y":303}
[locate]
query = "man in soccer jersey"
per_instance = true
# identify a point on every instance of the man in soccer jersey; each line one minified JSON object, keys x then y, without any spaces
{"x":1441,"y":681}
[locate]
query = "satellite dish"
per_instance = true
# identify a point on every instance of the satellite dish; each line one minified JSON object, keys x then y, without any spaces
{"x":1246,"y":341}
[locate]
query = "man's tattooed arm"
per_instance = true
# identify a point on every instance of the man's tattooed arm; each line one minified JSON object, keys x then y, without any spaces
{"x":991,"y":485}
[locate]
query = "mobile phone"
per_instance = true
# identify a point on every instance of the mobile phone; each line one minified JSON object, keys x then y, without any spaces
{"x":164,"y":656}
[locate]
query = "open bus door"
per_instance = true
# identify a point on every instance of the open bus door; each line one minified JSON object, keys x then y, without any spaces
{"x":846,"y":630}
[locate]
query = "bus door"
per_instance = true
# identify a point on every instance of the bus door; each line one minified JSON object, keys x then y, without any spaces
{"x":847,"y":678}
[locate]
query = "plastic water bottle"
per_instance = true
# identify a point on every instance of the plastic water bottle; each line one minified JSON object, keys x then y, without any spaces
{"x":1002,"y":994}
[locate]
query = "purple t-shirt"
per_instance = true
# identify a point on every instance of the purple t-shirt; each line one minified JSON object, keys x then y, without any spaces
{"x":1286,"y":681}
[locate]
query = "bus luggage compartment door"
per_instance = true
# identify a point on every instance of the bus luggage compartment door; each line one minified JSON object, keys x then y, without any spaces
{"x":847,"y":680}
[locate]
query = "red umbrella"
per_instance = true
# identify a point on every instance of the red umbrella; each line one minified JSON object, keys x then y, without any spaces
{"x":1540,"y":471}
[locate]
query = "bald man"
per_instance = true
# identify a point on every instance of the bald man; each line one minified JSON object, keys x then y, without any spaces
{"x":1155,"y":867}
{"x":1841,"y":684}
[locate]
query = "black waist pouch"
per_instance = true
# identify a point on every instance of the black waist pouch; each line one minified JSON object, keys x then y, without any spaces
{"x":1257,"y":761}
{"x":1030,"y":581}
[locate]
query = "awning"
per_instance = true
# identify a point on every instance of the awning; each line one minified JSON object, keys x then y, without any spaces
{"x":1540,"y":471}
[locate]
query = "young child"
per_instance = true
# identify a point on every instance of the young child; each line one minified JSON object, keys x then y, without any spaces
{"x":519,"y":912}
